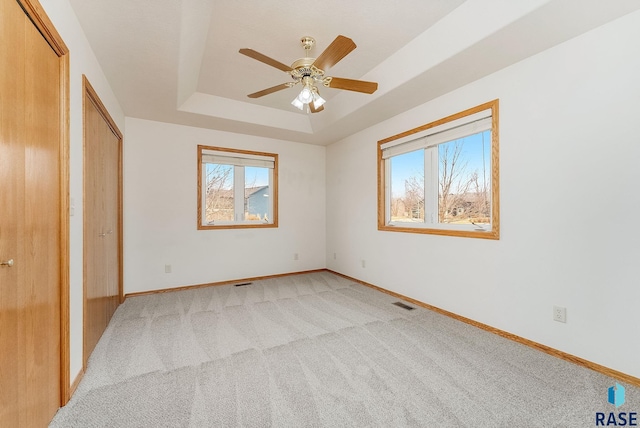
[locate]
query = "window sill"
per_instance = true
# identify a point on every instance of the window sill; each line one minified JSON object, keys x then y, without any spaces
{"x":237,"y":226}
{"x":490,"y":234}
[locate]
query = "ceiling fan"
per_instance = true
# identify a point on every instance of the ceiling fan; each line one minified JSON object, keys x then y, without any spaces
{"x":310,"y":72}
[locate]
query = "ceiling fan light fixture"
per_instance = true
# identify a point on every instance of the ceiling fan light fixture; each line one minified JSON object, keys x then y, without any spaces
{"x":306,"y":95}
{"x":318,"y":101}
{"x":296,"y":102}
{"x":309,"y":72}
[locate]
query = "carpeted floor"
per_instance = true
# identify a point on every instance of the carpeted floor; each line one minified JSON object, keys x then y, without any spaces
{"x":319,"y":350}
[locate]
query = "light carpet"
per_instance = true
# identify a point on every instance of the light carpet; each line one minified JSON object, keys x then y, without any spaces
{"x":319,"y":350}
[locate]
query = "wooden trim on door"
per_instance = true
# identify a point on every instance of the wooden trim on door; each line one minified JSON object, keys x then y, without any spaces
{"x":88,"y":89}
{"x":120,"y":225}
{"x":76,"y":382}
{"x":95,"y":99}
{"x":38,"y":16}
{"x":84,"y":223}
{"x":65,"y":281}
{"x":90,"y":92}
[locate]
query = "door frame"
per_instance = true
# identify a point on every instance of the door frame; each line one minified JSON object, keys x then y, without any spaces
{"x":88,"y":91}
{"x":36,"y":13}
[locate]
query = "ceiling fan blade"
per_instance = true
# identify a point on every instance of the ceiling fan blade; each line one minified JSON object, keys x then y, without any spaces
{"x":315,"y":110}
{"x":337,"y":50}
{"x":270,"y":90}
{"x":353,"y":85}
{"x":263,"y":58}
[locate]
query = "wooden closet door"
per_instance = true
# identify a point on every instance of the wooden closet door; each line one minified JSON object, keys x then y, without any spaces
{"x":102,"y":234}
{"x":111,"y":153}
{"x":94,"y":270}
{"x":30,"y":222}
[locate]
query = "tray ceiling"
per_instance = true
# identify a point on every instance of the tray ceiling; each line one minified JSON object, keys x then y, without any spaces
{"x":178,"y":61}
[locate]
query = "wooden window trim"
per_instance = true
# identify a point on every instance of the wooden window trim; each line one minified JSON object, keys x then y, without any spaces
{"x":274,"y":191}
{"x":495,"y":175}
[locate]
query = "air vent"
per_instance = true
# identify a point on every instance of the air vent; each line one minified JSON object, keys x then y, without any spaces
{"x":403,"y":306}
{"x":243,"y":283}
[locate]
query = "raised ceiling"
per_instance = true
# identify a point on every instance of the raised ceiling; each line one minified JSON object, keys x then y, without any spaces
{"x":177,"y":61}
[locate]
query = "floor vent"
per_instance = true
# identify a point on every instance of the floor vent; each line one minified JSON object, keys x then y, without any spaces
{"x":403,"y":306}
{"x":243,"y":283}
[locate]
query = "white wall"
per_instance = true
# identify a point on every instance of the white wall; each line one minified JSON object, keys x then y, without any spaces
{"x":82,"y":61}
{"x":160,"y":176}
{"x":569,"y":141}
{"x":569,"y":154}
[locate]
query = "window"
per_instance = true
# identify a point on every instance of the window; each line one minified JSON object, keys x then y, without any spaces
{"x":442,"y":178}
{"x":236,"y":188}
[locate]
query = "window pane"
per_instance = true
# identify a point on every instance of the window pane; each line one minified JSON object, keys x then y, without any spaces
{"x":464,"y":180}
{"x":257,"y":194}
{"x":219,"y":193}
{"x":239,"y":189}
{"x":407,"y":187}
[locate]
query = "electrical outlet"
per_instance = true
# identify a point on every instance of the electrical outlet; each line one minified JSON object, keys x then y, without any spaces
{"x":364,"y":263}
{"x":334,"y":256}
{"x":559,"y":314}
{"x":167,"y":268}
{"x":295,"y":256}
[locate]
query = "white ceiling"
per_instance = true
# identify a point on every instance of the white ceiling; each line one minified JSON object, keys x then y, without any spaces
{"x":177,"y":61}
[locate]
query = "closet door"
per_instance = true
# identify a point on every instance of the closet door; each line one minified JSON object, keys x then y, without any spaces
{"x":30,"y":222}
{"x":102,"y":220}
{"x":113,"y":228}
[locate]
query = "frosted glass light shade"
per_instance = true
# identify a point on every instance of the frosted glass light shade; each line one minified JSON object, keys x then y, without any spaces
{"x":318,"y":101}
{"x":296,"y":102}
{"x":306,"y":96}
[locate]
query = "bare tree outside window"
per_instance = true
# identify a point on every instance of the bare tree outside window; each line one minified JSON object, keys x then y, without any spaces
{"x":442,"y":178}
{"x":414,"y":197}
{"x":463,"y":193}
{"x":407,"y":187}
{"x":219,"y":193}
{"x":463,"y":186}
